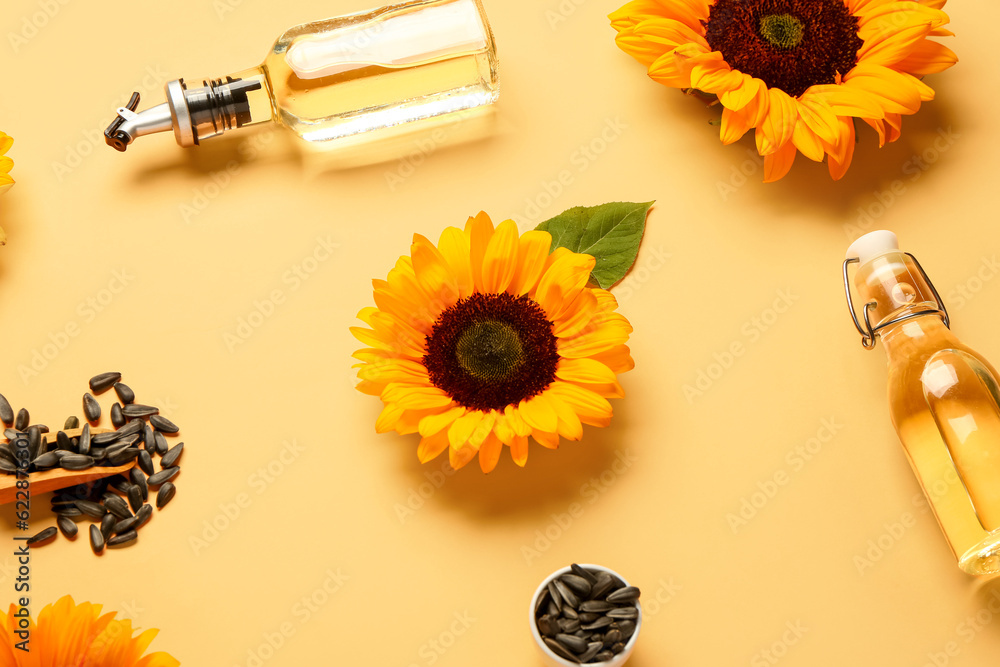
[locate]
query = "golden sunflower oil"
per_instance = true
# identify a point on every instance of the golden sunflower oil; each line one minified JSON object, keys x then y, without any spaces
{"x":944,"y":399}
{"x":406,"y":66}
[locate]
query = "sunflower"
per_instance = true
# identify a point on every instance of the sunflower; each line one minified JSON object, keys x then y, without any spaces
{"x":488,"y":338}
{"x":5,"y":180}
{"x":797,"y":71}
{"x":72,"y":634}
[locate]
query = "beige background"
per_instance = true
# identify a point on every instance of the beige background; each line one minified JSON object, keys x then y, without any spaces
{"x":713,"y":260}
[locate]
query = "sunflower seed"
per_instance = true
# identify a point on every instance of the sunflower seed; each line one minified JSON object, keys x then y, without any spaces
{"x":22,"y":420}
{"x":42,"y":536}
{"x":601,"y":587}
{"x":617,"y":648}
{"x":569,"y":625}
{"x":568,"y":596}
{"x":12,"y":434}
{"x":569,"y":612}
{"x":169,"y":459}
{"x":132,"y":428}
{"x":67,"y":510}
{"x":547,"y":626}
{"x":554,"y":593}
{"x":67,"y":526}
{"x":34,"y":442}
{"x":63,"y":442}
{"x":604,"y":656}
{"x":124,"y":526}
{"x":627,"y":594}
{"x":71,"y":422}
{"x":6,"y":412}
{"x":123,"y":456}
{"x":559,"y":650}
{"x":164,"y":425}
{"x":623,"y":612}
{"x":164,"y":475}
{"x":99,"y":453}
{"x":142,"y":516}
{"x":577,"y":584}
{"x":108,"y":522}
{"x":602,"y":622}
{"x":135,"y":497}
{"x":117,"y":418}
{"x":572,"y":642}
{"x":124,"y":539}
{"x":7,"y":466}
{"x":139,"y":480}
{"x":592,"y":650}
{"x":148,"y":438}
{"x":551,"y":609}
{"x":612,"y":636}
{"x":139,"y":410}
{"x":105,"y":439}
{"x":161,"y":444}
{"x":627,"y":628}
{"x":165,"y":494}
{"x":145,"y":462}
{"x":76,"y":462}
{"x":85,"y":440}
{"x":117,"y":506}
{"x":596,"y":606}
{"x":46,"y":460}
{"x":104,"y":381}
{"x":42,"y":428}
{"x":91,"y":408}
{"x":96,"y":539}
{"x":124,"y":392}
{"x":119,"y":483}
{"x":91,"y":509}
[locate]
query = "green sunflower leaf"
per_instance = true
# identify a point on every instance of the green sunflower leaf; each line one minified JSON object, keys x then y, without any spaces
{"x":610,"y":232}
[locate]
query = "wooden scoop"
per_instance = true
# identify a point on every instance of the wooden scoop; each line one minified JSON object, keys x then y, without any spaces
{"x":59,"y":478}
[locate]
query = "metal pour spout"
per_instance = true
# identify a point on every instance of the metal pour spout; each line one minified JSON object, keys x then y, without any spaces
{"x":193,"y":114}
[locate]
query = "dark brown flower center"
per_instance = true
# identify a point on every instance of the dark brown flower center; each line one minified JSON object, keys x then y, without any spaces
{"x":788,"y":44}
{"x":489,"y":351}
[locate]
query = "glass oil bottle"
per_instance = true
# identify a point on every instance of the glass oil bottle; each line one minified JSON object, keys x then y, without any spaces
{"x":337,"y":80}
{"x":944,"y":397}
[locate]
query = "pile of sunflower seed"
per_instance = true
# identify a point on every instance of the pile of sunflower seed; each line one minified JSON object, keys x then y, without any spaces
{"x":587,"y":616}
{"x":119,"y":502}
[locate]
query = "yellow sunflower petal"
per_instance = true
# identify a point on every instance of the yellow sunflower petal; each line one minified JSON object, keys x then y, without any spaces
{"x":463,"y":427}
{"x":618,"y":359}
{"x":778,"y":164}
{"x":513,"y":417}
{"x":431,"y":446}
{"x":489,"y":453}
{"x":415,"y":397}
{"x":434,"y":423}
{"x":837,"y":165}
{"x":776,"y":130}
{"x":460,"y":457}
{"x":538,"y":413}
{"x":927,"y":57}
{"x":6,"y":164}
{"x":576,"y":315}
{"x":388,"y":418}
{"x":563,"y":280}
{"x":584,"y":370}
{"x":504,"y":430}
{"x":584,"y":402}
{"x":895,"y":92}
{"x":500,"y":260}
{"x":569,"y":425}
{"x":519,"y":450}
{"x":455,"y":248}
{"x":480,"y":231}
{"x":433,"y":273}
{"x":545,"y":439}
{"x":6,"y":141}
{"x":532,"y":251}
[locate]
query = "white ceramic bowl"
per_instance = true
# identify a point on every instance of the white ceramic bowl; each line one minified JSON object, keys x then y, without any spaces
{"x":551,"y":659}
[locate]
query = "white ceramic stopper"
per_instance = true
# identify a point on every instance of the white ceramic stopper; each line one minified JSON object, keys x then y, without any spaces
{"x":873,"y":244}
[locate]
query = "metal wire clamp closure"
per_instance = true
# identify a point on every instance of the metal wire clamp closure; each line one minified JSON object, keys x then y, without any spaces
{"x":869,"y":332}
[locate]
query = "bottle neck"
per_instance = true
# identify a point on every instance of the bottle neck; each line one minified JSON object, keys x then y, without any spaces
{"x":903,"y":338}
